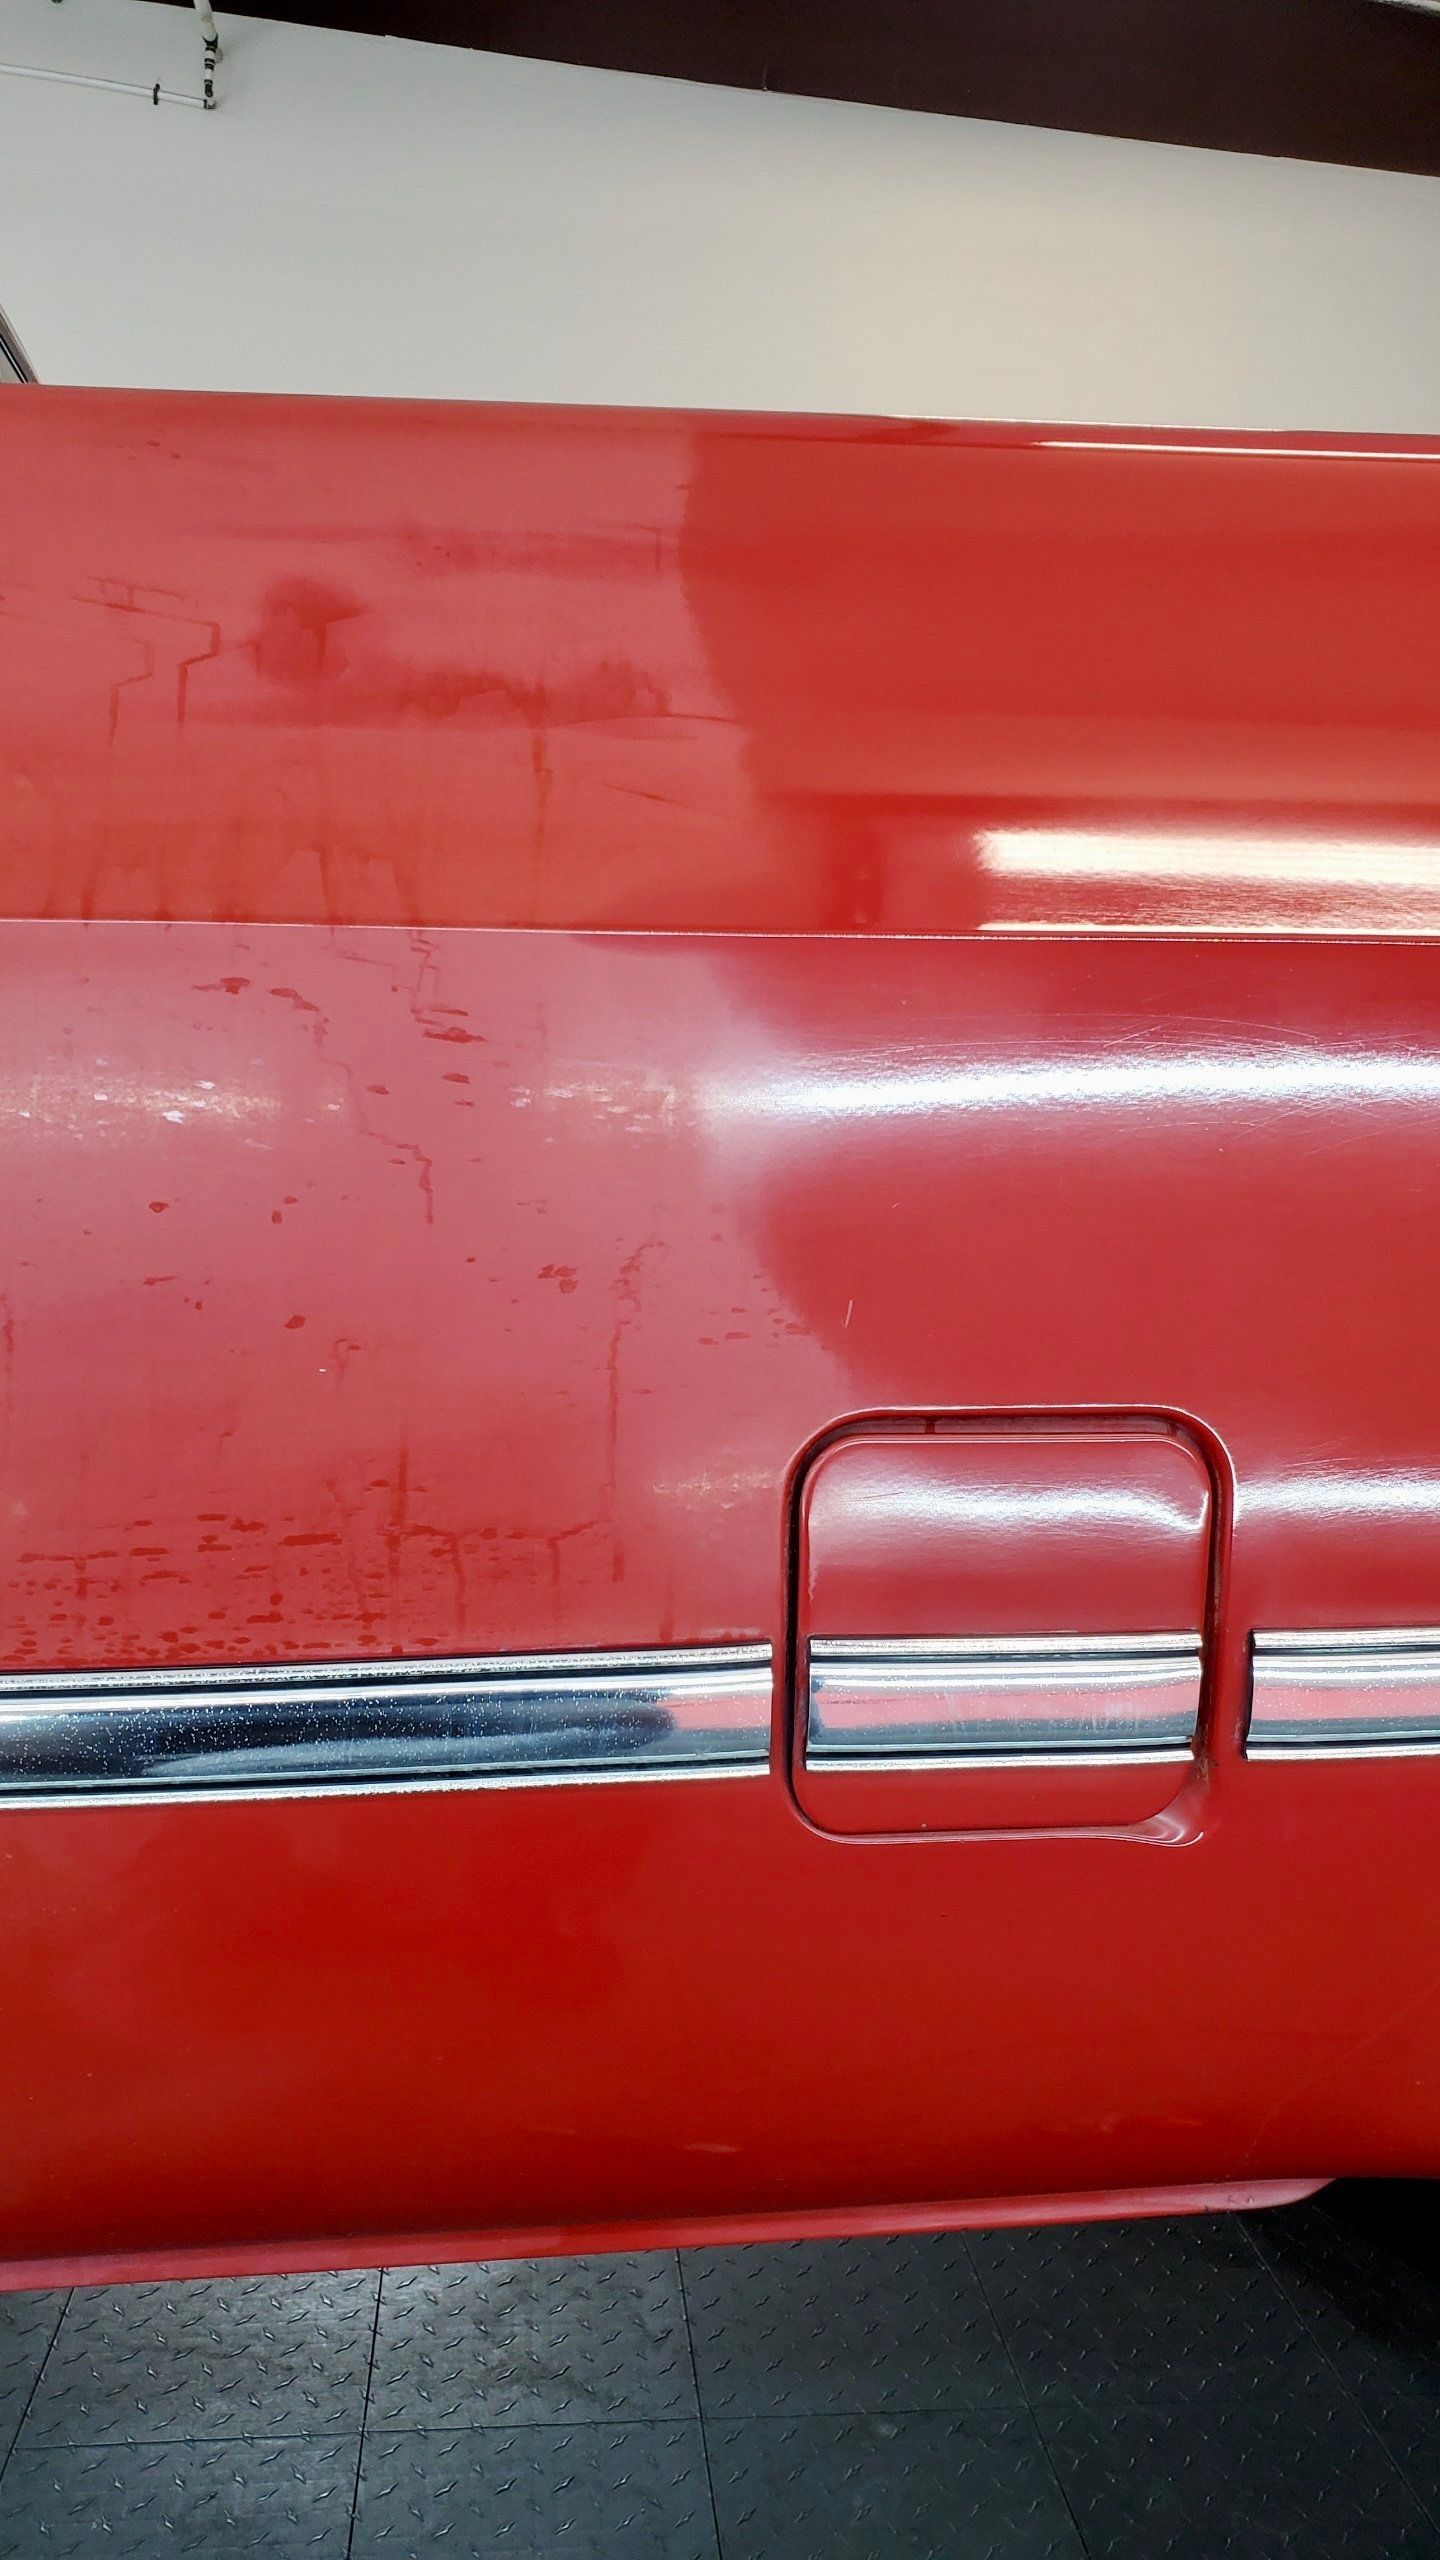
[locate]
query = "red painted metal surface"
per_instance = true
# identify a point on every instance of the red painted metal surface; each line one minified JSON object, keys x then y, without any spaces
{"x":509,"y":1036}
{"x":996,"y":1532}
{"x":403,"y":664}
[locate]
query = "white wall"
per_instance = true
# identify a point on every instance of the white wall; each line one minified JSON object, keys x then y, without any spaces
{"x":366,"y":215}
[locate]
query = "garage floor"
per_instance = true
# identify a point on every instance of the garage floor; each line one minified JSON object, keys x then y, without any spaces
{"x":1256,"y":2385}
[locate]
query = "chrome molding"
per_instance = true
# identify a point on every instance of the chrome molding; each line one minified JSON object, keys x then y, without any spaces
{"x":1325,"y":1697}
{"x":286,"y":1729}
{"x":1002,"y":1701}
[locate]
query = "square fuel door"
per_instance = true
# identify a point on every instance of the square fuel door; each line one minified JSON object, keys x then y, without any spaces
{"x":999,"y":1626}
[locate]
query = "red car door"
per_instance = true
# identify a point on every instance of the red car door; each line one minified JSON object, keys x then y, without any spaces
{"x":721,"y":1231}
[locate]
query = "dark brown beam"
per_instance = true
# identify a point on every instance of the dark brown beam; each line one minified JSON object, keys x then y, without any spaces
{"x":1343,"y":80}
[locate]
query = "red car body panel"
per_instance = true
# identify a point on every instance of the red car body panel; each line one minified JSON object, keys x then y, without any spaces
{"x":554,"y":963}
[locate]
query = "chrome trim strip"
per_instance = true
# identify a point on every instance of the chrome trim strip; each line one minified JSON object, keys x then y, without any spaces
{"x":1330,"y":1640}
{"x":1331,"y":1695}
{"x":1000,"y":1702}
{"x":873,"y":1764}
{"x":323,"y":1728}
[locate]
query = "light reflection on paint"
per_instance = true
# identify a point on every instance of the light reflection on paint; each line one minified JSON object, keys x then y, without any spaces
{"x":1022,"y":1508}
{"x":1397,"y":1493}
{"x":1200,"y":449}
{"x":1223,"y":922}
{"x":86,"y":1101}
{"x":1160,"y":855}
{"x":889,"y":1086}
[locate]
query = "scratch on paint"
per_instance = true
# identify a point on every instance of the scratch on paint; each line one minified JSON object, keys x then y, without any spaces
{"x":540,"y":768}
{"x":449,"y":1542}
{"x":399,"y":1517}
{"x":626,"y":1292}
{"x":407,"y":1150}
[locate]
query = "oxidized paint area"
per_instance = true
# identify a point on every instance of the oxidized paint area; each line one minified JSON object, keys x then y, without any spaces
{"x":396,"y":662}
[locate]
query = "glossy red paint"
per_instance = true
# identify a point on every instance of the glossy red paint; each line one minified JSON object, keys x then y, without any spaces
{"x":939,"y":1531}
{"x":509,"y":1038}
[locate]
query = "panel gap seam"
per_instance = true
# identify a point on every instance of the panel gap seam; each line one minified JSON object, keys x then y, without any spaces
{"x":699,"y":2405}
{"x":364,"y":2417}
{"x":40,"y":2371}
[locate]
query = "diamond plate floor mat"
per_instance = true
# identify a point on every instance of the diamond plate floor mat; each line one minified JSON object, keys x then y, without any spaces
{"x":1255,"y":2386}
